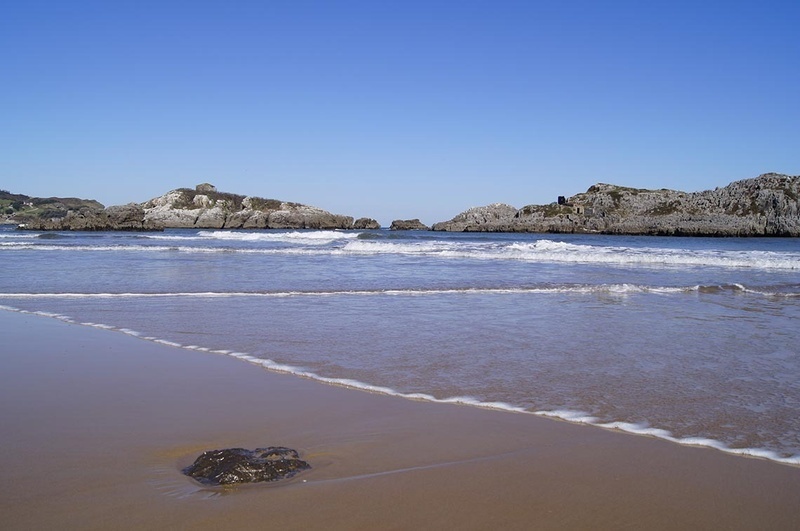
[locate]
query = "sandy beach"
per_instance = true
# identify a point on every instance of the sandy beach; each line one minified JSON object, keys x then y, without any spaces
{"x":97,"y":425}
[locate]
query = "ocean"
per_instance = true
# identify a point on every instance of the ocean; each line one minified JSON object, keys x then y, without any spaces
{"x":694,"y":340}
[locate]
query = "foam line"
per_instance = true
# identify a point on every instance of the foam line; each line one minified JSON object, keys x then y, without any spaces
{"x":611,"y":289}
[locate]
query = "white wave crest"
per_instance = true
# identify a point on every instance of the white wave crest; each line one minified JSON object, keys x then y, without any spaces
{"x":554,"y":251}
{"x":18,"y":236}
{"x":386,"y":247}
{"x":316,"y":237}
{"x":313,"y":243}
{"x":620,"y":289}
{"x":566,"y":252}
{"x":643,"y":429}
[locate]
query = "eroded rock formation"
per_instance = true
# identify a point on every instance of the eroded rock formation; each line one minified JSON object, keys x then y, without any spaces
{"x":764,"y":206}
{"x":205,"y":208}
{"x":202,"y":207}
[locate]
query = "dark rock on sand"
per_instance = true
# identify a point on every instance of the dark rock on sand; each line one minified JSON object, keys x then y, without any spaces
{"x":237,"y":465}
{"x":408,"y":224}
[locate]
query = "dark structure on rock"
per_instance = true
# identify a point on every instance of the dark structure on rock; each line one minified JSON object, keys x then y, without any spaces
{"x":768,"y":205}
{"x":237,"y":465}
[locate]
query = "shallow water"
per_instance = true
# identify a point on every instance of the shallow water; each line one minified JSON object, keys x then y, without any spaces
{"x":692,"y":339}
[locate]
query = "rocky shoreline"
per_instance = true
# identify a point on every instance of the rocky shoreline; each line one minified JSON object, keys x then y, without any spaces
{"x":764,"y":206}
{"x":767,"y":205}
{"x":202,"y":207}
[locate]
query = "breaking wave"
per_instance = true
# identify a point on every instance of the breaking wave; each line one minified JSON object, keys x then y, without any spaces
{"x":319,"y":237}
{"x":554,"y":251}
{"x":338,"y":243}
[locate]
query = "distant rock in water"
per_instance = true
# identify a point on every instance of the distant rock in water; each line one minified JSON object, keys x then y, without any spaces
{"x":366,"y":224}
{"x":237,"y":465}
{"x":764,"y":206}
{"x":408,"y":224}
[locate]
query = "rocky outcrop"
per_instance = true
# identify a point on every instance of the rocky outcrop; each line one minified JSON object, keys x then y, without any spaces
{"x":237,"y":465}
{"x":92,"y":218}
{"x":205,"y":208}
{"x":764,"y":206}
{"x":50,"y":211}
{"x":472,"y":220}
{"x":408,"y":224}
{"x":128,"y":217}
{"x":366,"y":224}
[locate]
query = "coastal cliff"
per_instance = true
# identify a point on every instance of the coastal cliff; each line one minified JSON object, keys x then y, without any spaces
{"x":202,"y":207}
{"x":763,"y":206}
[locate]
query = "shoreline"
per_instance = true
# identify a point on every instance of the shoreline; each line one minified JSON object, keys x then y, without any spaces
{"x":569,"y":416}
{"x":99,"y":425}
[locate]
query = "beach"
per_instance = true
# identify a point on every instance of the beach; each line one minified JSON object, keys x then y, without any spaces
{"x":97,"y":426}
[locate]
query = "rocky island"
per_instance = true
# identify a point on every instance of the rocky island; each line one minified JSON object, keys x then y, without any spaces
{"x":764,"y":206}
{"x":202,"y":207}
{"x":768,"y":205}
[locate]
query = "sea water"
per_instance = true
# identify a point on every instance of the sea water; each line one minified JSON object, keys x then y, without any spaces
{"x":691,"y":339}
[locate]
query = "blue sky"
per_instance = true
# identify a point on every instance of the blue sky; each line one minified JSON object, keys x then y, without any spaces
{"x":395,"y":109}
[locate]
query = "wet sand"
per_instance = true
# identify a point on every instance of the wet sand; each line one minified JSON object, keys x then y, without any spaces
{"x":96,"y":426}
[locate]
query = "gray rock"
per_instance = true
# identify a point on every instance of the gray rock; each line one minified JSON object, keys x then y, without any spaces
{"x":128,"y":217}
{"x":295,"y":216}
{"x":491,"y":217}
{"x":408,"y":224}
{"x":213,"y":217}
{"x":256,"y":219}
{"x":172,"y":210}
{"x":122,"y":217}
{"x":237,"y":465}
{"x":366,"y":224}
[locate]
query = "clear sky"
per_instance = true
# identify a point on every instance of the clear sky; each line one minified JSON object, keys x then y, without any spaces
{"x":394,"y":109}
